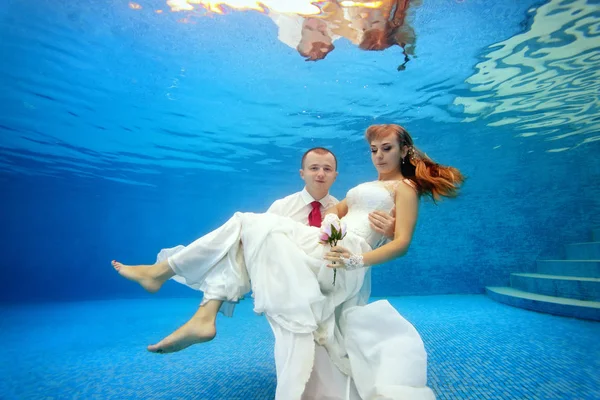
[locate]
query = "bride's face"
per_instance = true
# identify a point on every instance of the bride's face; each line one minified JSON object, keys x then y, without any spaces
{"x":386,"y":154}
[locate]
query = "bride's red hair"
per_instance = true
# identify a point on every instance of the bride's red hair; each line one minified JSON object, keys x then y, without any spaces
{"x":431,"y":178}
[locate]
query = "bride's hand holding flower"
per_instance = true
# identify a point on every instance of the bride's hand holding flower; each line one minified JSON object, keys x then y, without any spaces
{"x":335,"y":255}
{"x":341,"y":257}
{"x":332,"y":230}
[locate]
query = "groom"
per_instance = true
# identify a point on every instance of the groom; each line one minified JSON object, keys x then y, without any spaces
{"x":319,"y":171}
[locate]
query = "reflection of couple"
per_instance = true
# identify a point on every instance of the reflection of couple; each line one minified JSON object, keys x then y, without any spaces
{"x":369,"y":28}
{"x":328,"y":342}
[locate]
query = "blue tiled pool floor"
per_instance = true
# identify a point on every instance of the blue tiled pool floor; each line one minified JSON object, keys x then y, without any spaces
{"x":478,"y":349}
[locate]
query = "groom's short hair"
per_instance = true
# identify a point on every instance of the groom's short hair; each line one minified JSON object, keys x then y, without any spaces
{"x":318,"y":150}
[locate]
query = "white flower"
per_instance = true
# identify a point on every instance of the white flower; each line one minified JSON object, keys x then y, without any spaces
{"x":333,"y":220}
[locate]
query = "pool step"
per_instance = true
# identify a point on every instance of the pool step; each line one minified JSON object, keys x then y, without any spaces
{"x":582,"y":309}
{"x":582,"y":268}
{"x":569,"y":287}
{"x":572,"y":287}
{"x":583,"y":251}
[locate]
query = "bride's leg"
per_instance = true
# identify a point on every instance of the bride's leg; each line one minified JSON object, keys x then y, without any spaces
{"x":200,"y":328}
{"x":150,"y":277}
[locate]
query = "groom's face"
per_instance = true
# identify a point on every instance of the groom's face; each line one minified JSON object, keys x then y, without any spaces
{"x":319,"y":172}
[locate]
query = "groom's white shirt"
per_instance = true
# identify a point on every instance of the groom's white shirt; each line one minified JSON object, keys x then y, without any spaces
{"x":297,"y":206}
{"x":326,"y":380}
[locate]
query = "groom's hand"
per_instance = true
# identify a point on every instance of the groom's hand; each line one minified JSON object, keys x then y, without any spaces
{"x":383,"y":222}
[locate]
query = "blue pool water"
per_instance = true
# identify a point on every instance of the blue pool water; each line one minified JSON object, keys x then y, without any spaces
{"x":126,"y":127}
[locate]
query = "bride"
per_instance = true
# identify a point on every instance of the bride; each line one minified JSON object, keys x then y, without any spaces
{"x":291,"y":276}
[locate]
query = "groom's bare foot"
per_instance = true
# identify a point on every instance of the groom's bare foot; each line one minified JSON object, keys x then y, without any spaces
{"x":196,"y":330}
{"x":141,"y":274}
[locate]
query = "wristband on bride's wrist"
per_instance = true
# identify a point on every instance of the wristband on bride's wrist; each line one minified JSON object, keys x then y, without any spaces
{"x":355,"y":261}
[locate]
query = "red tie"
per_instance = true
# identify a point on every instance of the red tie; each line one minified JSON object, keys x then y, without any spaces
{"x":314,"y":218}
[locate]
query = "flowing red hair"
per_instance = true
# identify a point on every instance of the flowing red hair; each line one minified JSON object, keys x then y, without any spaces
{"x":430,"y":178}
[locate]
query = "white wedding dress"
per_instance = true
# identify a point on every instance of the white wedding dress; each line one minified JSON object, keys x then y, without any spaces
{"x":282,"y":262}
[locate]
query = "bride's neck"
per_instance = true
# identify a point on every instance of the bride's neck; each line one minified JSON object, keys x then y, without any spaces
{"x":394,"y":176}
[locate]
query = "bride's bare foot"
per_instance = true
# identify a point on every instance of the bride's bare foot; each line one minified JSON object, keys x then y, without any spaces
{"x":196,"y":330}
{"x":142,"y":274}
